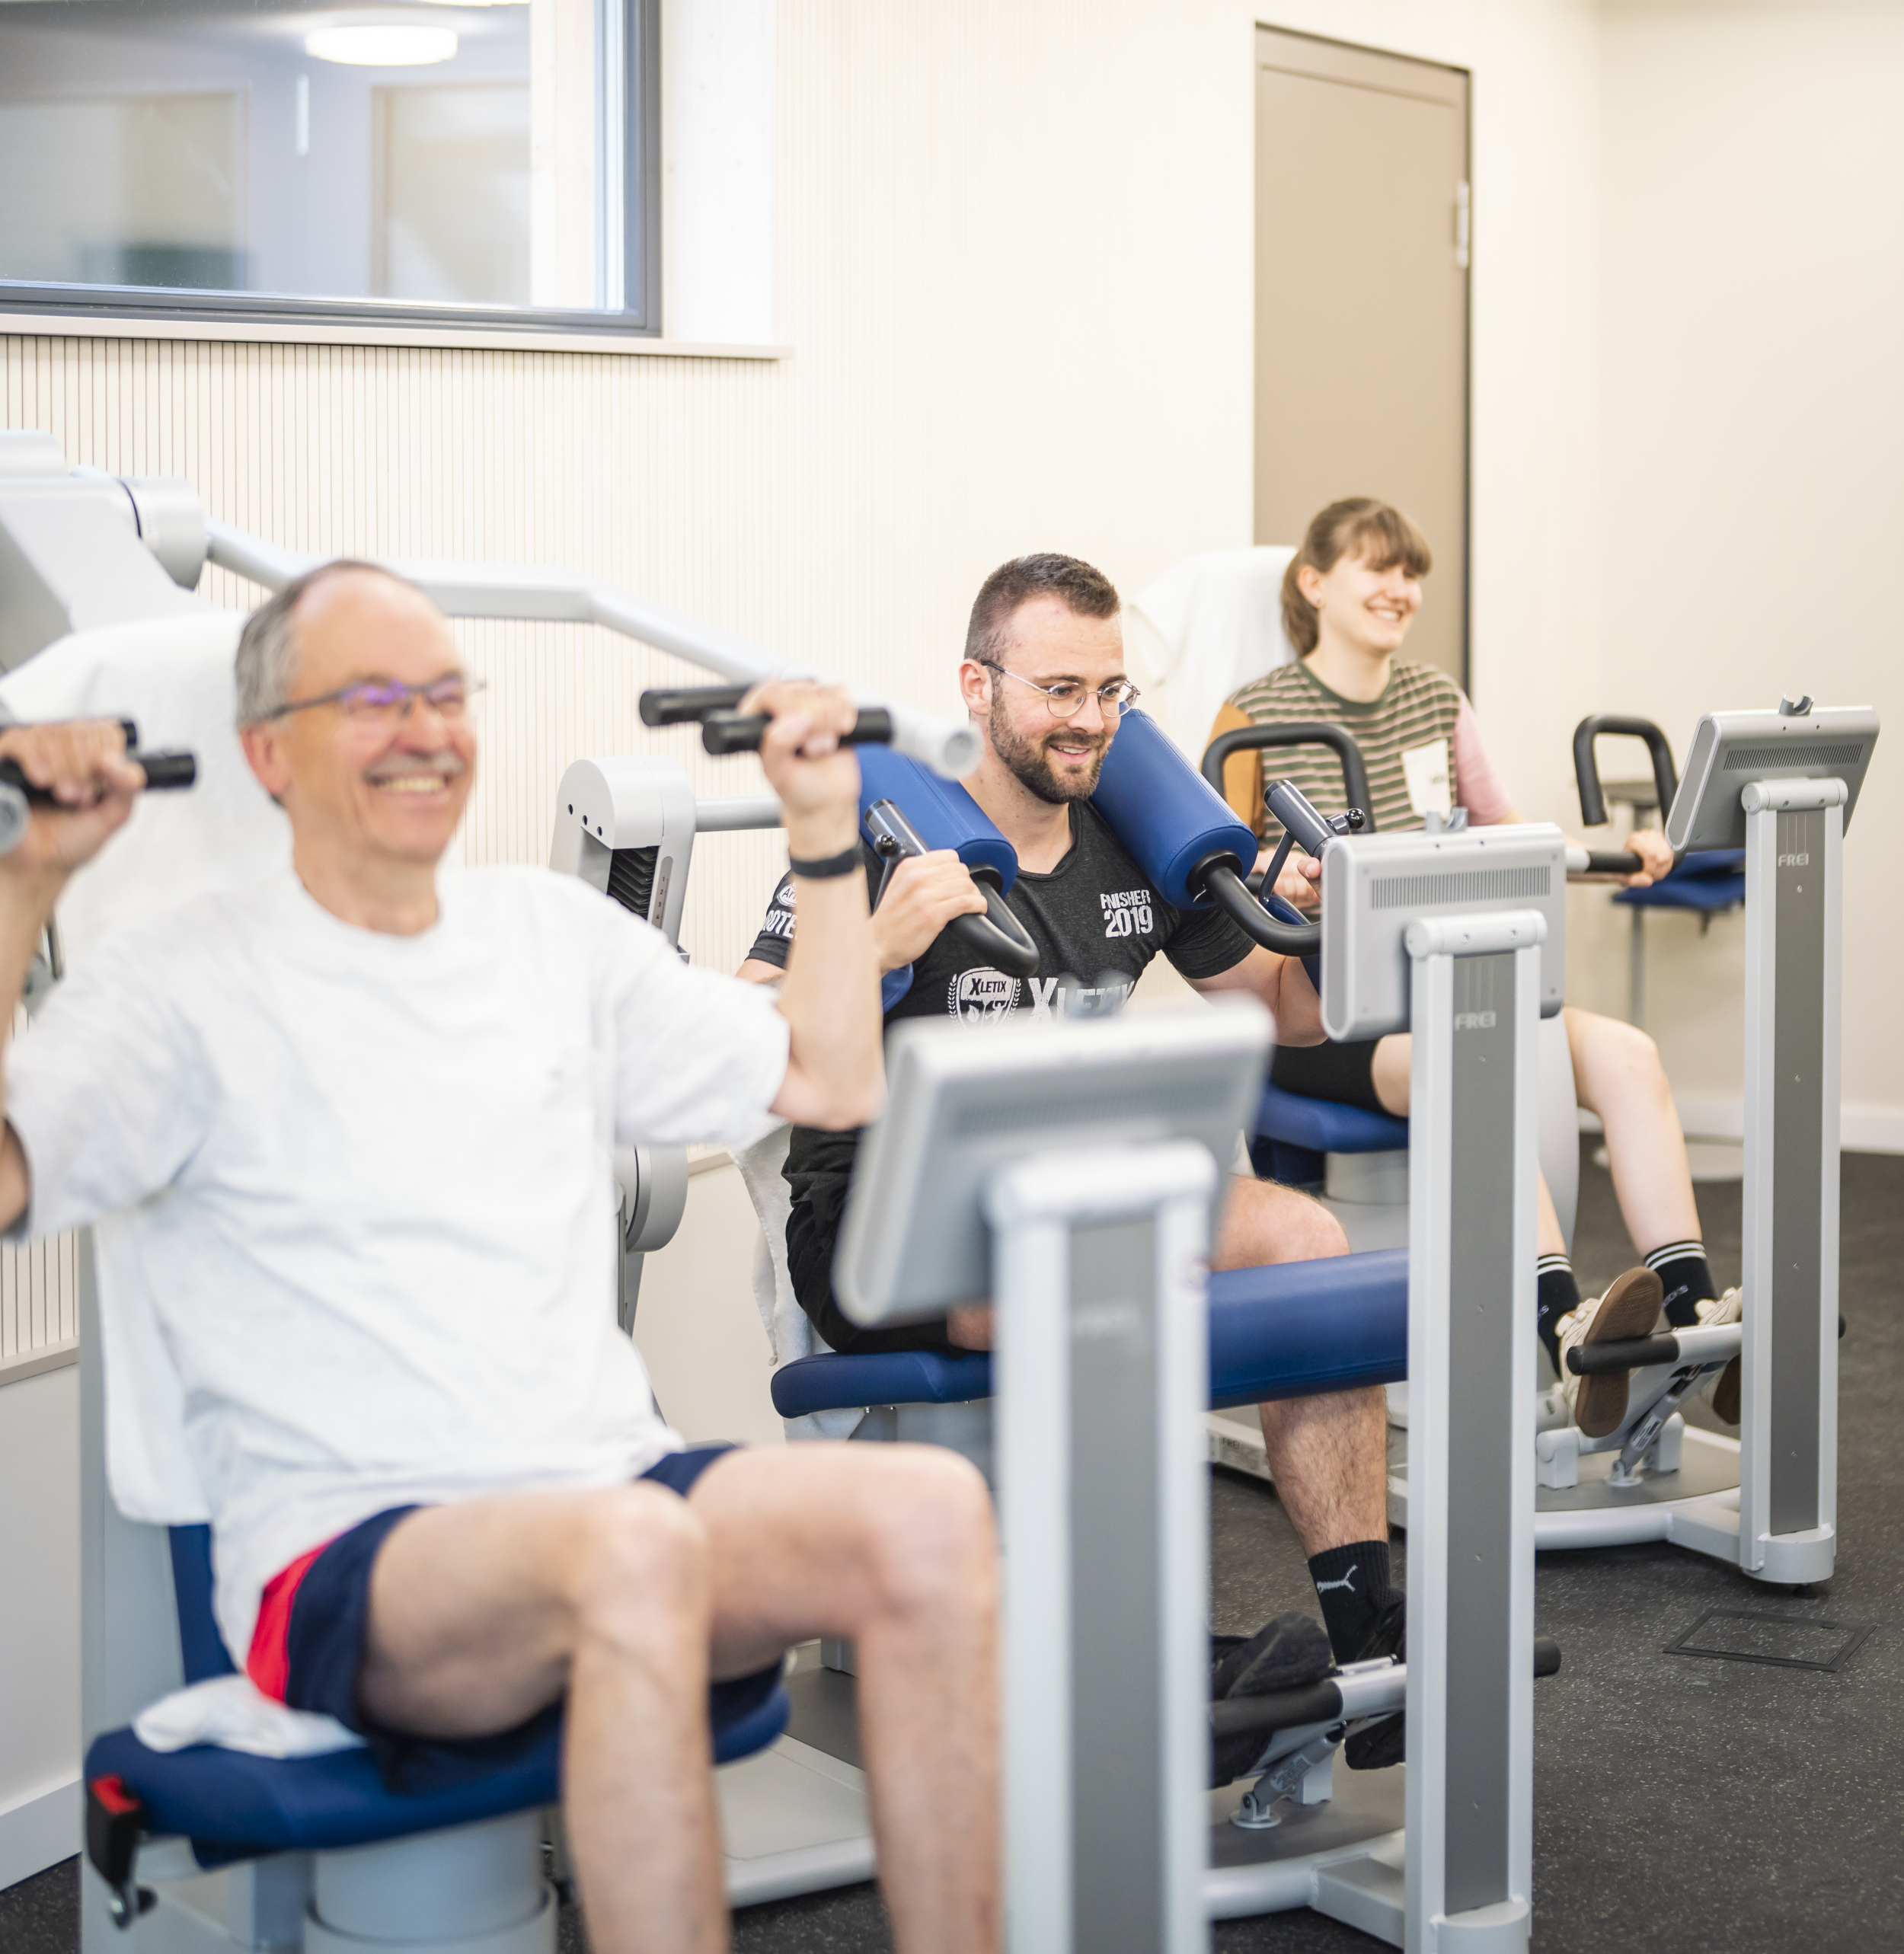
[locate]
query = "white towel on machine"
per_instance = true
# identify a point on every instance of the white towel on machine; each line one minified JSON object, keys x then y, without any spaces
{"x":1201,"y":630}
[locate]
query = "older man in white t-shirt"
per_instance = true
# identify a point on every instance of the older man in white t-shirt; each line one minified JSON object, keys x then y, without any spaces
{"x":354,"y":1125}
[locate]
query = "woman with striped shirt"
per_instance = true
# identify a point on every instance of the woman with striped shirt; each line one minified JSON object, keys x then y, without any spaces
{"x":1349,"y":596}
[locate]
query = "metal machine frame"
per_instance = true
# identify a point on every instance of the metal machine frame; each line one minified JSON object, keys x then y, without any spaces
{"x":1783,"y":785}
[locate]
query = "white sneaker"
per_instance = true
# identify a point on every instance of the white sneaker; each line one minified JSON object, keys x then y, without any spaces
{"x":1630,"y":1308}
{"x":1723,"y":1388}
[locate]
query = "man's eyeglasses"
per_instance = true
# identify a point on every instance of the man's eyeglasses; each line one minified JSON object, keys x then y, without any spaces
{"x":1068,"y":696}
{"x":384,"y":700}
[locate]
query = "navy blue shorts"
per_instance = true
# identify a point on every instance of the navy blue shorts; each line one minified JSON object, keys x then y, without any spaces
{"x":323,"y":1651}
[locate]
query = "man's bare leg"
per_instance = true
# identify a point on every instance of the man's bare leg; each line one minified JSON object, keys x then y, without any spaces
{"x":482,"y":1613}
{"x":479,"y":1612}
{"x":1328,"y":1455}
{"x":892,"y":1545}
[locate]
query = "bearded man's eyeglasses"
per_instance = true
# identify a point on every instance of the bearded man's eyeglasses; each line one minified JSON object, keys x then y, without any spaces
{"x":1066,"y":698}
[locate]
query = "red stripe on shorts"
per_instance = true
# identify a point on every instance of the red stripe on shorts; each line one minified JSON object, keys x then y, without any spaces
{"x":268,"y":1661}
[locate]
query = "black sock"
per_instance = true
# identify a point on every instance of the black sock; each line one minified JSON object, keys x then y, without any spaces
{"x":1351,"y":1584}
{"x":1555,"y":1293}
{"x":1681,"y":1267}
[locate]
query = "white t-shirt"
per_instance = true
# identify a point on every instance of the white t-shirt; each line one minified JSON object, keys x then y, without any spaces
{"x":354,"y":1198}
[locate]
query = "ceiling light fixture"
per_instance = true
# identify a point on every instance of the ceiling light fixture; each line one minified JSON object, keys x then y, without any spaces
{"x":382,"y":47}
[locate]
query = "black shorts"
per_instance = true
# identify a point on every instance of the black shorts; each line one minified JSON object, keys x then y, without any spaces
{"x":324,"y":1651}
{"x":1341,"y":1070}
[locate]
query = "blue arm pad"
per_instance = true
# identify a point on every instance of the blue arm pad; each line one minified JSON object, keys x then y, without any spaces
{"x":1301,"y":1328}
{"x":945,"y":815}
{"x":893,"y":986}
{"x":1290,"y":1331}
{"x":1163,"y":810}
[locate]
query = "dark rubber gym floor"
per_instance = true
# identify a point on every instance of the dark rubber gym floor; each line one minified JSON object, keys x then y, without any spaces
{"x":1679,"y":1803}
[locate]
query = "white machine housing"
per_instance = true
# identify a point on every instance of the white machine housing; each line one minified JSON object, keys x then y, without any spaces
{"x":1728,"y":749}
{"x":1373,"y":886}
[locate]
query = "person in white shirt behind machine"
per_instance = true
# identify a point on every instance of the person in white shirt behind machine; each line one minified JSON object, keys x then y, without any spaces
{"x":356,"y":1122}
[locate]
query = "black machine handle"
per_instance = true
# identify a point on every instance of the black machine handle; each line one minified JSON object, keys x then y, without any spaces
{"x":998,"y":934}
{"x":1586,"y":769}
{"x":1618,"y":1354}
{"x":724,"y":730}
{"x":662,"y":706}
{"x":1320,"y":1702}
{"x":165,"y":772}
{"x":1297,"y":733}
{"x":1612,"y":861}
{"x":1220,"y":877}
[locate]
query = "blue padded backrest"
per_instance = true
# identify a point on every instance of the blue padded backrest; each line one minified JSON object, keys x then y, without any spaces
{"x":945,"y":815}
{"x":1163,"y":810}
{"x":198,"y":1640}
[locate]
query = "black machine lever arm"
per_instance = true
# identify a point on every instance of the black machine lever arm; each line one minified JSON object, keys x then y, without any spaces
{"x":1587,"y":770}
{"x":1220,"y":877}
{"x":998,"y":934}
{"x":724,"y":730}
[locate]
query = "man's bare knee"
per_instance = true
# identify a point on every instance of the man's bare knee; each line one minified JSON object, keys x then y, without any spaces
{"x":1265,"y":1223}
{"x":926,"y":1535}
{"x":638,"y":1569}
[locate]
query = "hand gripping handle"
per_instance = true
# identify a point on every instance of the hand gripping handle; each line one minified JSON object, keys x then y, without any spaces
{"x":165,"y":772}
{"x":998,"y":935}
{"x":1220,"y":877}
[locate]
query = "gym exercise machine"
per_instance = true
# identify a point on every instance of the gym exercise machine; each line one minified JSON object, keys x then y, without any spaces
{"x":1782,"y":786}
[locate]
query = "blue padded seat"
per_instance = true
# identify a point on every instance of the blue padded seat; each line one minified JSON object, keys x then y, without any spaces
{"x":1705,"y":882}
{"x":1294,"y":1133}
{"x":1326,"y":1126}
{"x":1291,"y":1330}
{"x":233,"y":1806}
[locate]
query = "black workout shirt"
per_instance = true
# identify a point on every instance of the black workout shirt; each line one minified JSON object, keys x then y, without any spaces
{"x":1097,"y":923}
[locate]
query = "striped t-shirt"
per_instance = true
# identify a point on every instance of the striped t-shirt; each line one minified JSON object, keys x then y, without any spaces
{"x":1419,"y":743}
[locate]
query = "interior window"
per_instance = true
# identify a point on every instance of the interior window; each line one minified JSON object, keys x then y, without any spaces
{"x":482,"y":155}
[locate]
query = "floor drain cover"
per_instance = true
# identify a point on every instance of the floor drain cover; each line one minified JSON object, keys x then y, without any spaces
{"x":1786,"y":1642}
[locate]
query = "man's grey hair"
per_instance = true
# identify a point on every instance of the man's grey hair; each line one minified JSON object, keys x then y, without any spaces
{"x":267,"y":650}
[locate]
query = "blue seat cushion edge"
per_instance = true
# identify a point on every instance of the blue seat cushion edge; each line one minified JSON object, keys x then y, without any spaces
{"x":234,"y":1805}
{"x":1291,"y":1330}
{"x":1325,"y":1125}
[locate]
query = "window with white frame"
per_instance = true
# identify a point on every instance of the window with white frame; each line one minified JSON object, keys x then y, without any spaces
{"x":490,"y":160}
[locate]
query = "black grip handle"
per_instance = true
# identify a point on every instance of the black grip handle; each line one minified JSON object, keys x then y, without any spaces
{"x":1297,"y":814}
{"x":1297,"y":733}
{"x":998,"y":935}
{"x":1622,"y":1353}
{"x":1587,"y":770}
{"x":729,"y":733}
{"x":1612,"y":861}
{"x":164,"y":772}
{"x":676,"y":706}
{"x":1320,"y":1702}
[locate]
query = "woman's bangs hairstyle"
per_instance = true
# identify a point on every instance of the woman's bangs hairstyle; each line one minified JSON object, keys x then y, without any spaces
{"x":1361,"y":527}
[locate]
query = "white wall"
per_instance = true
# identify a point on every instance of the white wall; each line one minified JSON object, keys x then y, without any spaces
{"x":1752,"y":310}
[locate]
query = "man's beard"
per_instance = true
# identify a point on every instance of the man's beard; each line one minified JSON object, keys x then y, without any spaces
{"x":1029,"y":766}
